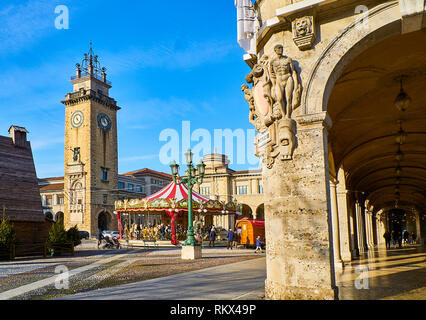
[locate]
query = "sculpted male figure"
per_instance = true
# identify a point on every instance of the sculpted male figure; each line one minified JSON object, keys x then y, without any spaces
{"x":284,"y":81}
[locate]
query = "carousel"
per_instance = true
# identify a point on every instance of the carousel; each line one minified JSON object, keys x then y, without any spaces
{"x":164,"y":215}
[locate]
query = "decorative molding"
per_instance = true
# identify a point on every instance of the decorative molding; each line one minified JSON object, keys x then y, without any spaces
{"x":322,"y":118}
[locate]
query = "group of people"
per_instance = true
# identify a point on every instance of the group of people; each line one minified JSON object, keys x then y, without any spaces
{"x":400,"y":238}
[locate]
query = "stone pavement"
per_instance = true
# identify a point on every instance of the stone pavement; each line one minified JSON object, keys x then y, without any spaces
{"x":385,"y":274}
{"x":241,"y":280}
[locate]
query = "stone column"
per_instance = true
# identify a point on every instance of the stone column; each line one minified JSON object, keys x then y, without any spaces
{"x":368,"y":228}
{"x":353,"y":228}
{"x":360,"y":227}
{"x":418,"y":228}
{"x":381,"y":229}
{"x":298,"y":218}
{"x":335,"y":223}
{"x":344,"y":231}
{"x":363,"y":229}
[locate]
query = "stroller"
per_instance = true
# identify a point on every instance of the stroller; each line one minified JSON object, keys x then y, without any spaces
{"x":111,"y":243}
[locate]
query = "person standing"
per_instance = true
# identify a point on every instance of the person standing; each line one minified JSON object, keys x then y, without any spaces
{"x":230,"y":237}
{"x":393,"y":237}
{"x":212,"y":236}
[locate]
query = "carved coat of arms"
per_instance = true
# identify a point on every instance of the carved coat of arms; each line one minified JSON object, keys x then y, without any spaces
{"x":275,"y":93}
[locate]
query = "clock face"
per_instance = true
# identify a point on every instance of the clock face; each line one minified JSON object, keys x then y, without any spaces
{"x":77,"y":119}
{"x":104,"y":122}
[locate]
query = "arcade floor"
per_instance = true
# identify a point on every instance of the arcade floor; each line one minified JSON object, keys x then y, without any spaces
{"x":385,"y":274}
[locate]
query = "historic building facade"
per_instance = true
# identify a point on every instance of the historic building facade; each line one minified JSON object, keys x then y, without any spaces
{"x":224,"y":184}
{"x":135,"y":184}
{"x":336,"y":93}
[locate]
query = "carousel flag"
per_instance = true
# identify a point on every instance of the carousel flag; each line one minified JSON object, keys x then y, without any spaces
{"x":246,"y":23}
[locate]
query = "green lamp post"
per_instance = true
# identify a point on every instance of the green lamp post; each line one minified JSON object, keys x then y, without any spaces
{"x":193,"y":176}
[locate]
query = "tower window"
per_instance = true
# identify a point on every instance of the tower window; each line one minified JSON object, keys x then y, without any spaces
{"x":104,"y":174}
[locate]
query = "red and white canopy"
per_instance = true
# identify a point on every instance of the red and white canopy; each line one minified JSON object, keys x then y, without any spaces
{"x":178,"y":192}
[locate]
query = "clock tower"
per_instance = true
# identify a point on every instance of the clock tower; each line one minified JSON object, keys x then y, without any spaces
{"x":91,"y":161}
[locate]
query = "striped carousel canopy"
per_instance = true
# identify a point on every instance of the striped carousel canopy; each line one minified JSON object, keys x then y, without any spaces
{"x":175,"y":197}
{"x":177,"y":192}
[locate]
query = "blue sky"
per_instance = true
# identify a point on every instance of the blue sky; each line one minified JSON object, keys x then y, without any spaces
{"x":169,"y":61}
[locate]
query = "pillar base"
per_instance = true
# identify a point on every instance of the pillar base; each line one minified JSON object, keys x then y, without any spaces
{"x":277,"y":291}
{"x":191,"y":252}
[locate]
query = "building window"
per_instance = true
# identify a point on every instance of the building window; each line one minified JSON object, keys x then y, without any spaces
{"x":260,"y":189}
{"x":105,"y":198}
{"x":160,"y":182}
{"x":60,"y":200}
{"x":130,"y":187}
{"x":121,"y":185}
{"x":154,"y":181}
{"x":104,"y":174}
{"x":138,"y":188}
{"x":205,"y":191}
{"x":49,"y":201}
{"x":241,"y":189}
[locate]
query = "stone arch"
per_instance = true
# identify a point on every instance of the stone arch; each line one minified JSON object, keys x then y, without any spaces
{"x":384,"y":21}
{"x":246,"y":212}
{"x":49,"y":216}
{"x":103,"y":220}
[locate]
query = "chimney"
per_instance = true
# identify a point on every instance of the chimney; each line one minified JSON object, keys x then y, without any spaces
{"x":19,"y":136}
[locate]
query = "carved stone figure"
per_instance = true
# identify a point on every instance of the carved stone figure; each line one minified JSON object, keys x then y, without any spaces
{"x":275,"y":94}
{"x":303,"y":26}
{"x":250,"y":99}
{"x":76,"y":155}
{"x":303,"y":32}
{"x":285,"y":82}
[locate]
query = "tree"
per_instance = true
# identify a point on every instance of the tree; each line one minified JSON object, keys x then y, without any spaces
{"x":73,"y":234}
{"x":7,"y":234}
{"x":57,"y":235}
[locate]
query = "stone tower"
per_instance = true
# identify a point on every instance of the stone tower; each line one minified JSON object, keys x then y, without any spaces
{"x":91,"y":168}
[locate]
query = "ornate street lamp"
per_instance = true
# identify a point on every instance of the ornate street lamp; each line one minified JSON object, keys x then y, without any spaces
{"x":193,"y":177}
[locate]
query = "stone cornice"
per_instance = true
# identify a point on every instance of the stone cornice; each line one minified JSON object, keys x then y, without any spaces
{"x":322,"y":118}
{"x":77,"y":97}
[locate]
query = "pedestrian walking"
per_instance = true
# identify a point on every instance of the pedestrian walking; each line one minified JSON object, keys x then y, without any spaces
{"x":100,"y":237}
{"x":258,"y":245}
{"x":387,"y":237}
{"x":212,"y":236}
{"x":230,"y":237}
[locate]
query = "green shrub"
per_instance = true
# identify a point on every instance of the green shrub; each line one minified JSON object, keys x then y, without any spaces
{"x":57,"y":235}
{"x":73,"y":234}
{"x":7,"y":234}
